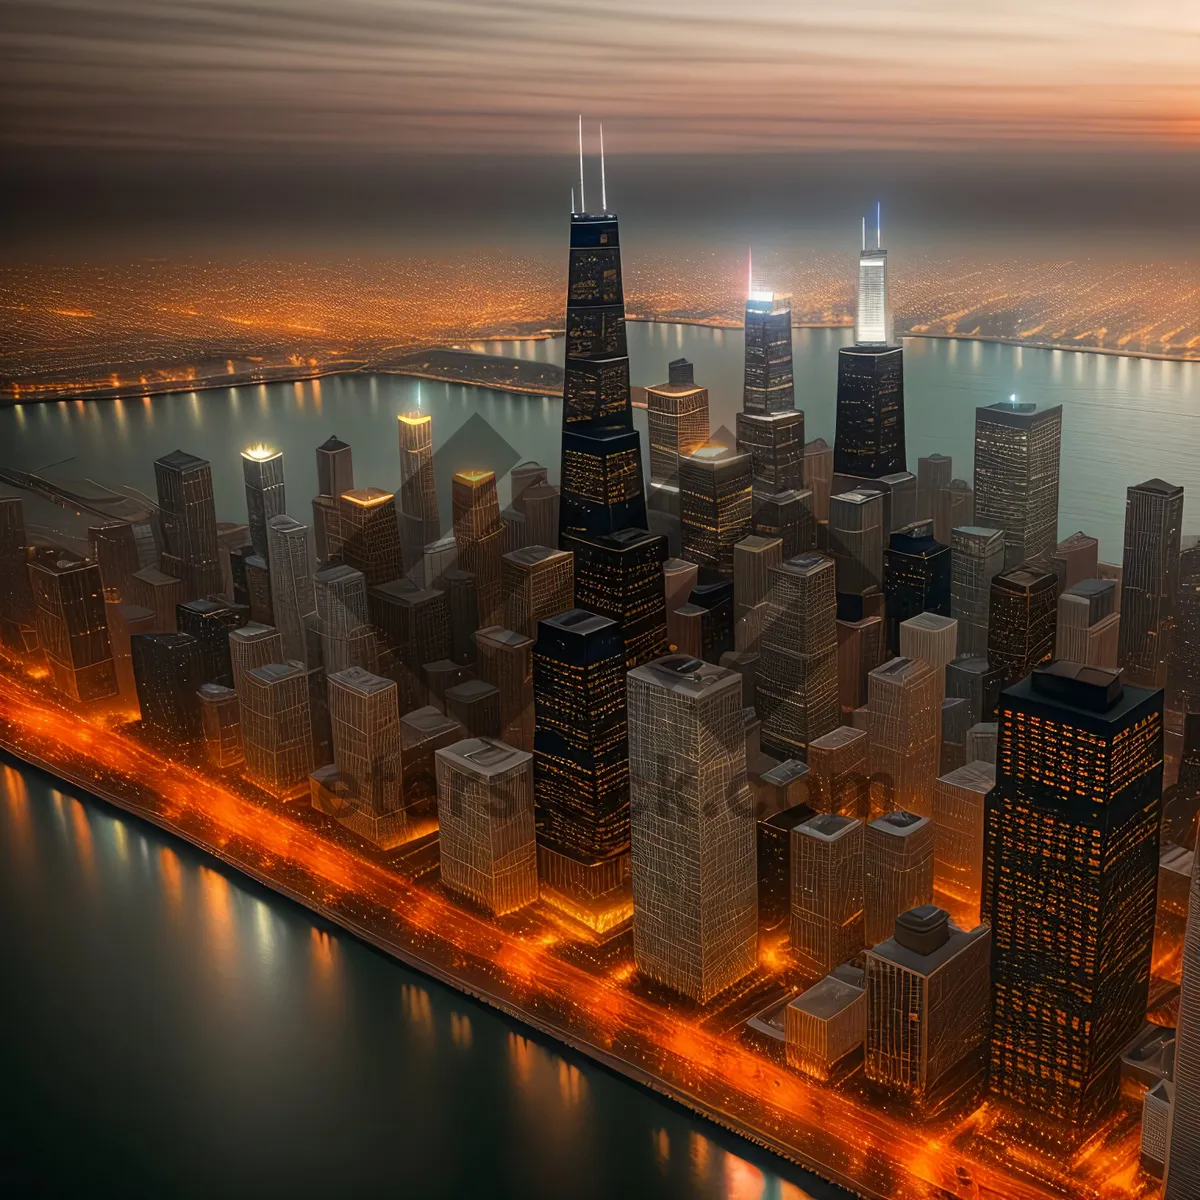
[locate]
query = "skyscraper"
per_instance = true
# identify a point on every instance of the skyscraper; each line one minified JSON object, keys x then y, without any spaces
{"x":479,"y":536}
{"x":1149,"y":579}
{"x":768,"y":385}
{"x":221,"y":724}
{"x":837,"y":775}
{"x":856,"y":540}
{"x":189,"y":523}
{"x":927,"y":1010}
{"x":1087,"y":629}
{"x":166,"y":672}
{"x":1070,"y":878}
{"x":916,"y":577}
{"x":335,"y":475}
{"x":1016,"y":477}
{"x":1021,"y":620}
{"x":1183,"y":1139}
{"x":934,"y":638}
{"x":485,"y":814}
{"x":695,"y":898}
{"x":411,"y":627}
{"x":72,"y":627}
{"x":340,"y":596}
{"x":677,"y":416}
{"x":977,"y":558}
{"x":958,"y":805}
{"x":934,"y":472}
{"x":904,"y":700}
{"x":277,"y":728}
{"x":1184,"y":661}
{"x":818,"y":476}
{"x":17,"y":621}
{"x":504,"y":659}
{"x":714,"y":492}
{"x":827,"y":892}
{"x":797,"y":686}
{"x":292,"y":598}
{"x":898,"y":869}
{"x":537,"y":582}
{"x":370,"y":537}
{"x":417,"y":497}
{"x":115,"y":551}
{"x":252,"y":645}
{"x":262,"y":470}
{"x":209,"y":622}
{"x":581,"y":766}
{"x":1076,"y":558}
{"x":952,"y":506}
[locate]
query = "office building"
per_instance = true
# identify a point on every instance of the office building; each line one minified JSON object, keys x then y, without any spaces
{"x":904,"y":701}
{"x":166,"y":672}
{"x":475,"y":705}
{"x":934,"y":638}
{"x":220,"y":725}
{"x":916,"y":577}
{"x":1076,"y":559}
{"x":504,"y":659}
{"x":262,"y":471}
{"x":479,"y":537}
{"x":125,"y":620}
{"x":797,"y":685}
{"x":826,"y":1026}
{"x":1021,"y":620}
{"x":188,"y":521}
{"x":340,"y":595}
{"x":292,"y":598}
{"x":1070,"y":878}
{"x":952,"y":506}
{"x":695,"y":896}
{"x":277,"y":728}
{"x":1183,"y":671}
{"x":161,"y":593}
{"x":252,"y":645}
{"x":768,"y":386}
{"x":412,"y":626}
{"x":677,"y":417}
{"x":423,"y":732}
{"x":958,"y":803}
{"x":486,"y":823}
{"x":827,"y":909}
{"x":209,"y":622}
{"x":715,"y":509}
{"x":540,"y":504}
{"x":1183,"y":1137}
{"x":537,"y":582}
{"x":775,"y":821}
{"x":1016,"y":477}
{"x":774,"y":443}
{"x":365,"y":726}
{"x":934,"y":472}
{"x":856,"y":540}
{"x":114,"y":550}
{"x":971,"y":678}
{"x":869,"y":440}
{"x":1149,"y":580}
{"x":861,"y":648}
{"x":837,"y":772}
{"x":417,"y":499}
{"x":818,"y":476}
{"x":72,"y":626}
{"x":1087,"y":630}
{"x":17,"y":618}
{"x":335,"y":475}
{"x":462,"y":599}
{"x":957,"y":719}
{"x":258,"y":589}
{"x":898,"y":870}
{"x":370,"y":537}
{"x":977,"y":558}
{"x":581,"y":766}
{"x":927,"y":1010}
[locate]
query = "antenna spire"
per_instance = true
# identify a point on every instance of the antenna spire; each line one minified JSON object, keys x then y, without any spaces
{"x":864,"y":233}
{"x":572,"y":201}
{"x":878,"y":225}
{"x":749,"y":272}
{"x":603,"y":189}
{"x":582,"y":200}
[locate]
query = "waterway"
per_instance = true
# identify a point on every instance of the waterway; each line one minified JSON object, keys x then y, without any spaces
{"x":173,"y":1029}
{"x":1124,"y":419}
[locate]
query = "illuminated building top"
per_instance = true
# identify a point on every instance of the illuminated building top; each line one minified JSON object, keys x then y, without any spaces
{"x":874,"y":324}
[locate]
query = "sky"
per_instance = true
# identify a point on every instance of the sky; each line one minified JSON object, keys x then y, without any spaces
{"x":667,"y":76}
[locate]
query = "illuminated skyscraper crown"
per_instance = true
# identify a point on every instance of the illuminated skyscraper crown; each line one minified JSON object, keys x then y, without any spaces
{"x":874,"y":325}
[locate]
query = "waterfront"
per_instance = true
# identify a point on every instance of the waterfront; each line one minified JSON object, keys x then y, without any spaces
{"x":1124,"y":419}
{"x":179,"y":1027}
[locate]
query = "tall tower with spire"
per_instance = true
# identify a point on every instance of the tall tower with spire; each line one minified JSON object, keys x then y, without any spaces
{"x":602,"y":512}
{"x":870,"y":394}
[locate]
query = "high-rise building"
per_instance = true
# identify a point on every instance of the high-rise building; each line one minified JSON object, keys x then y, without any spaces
{"x":927,"y":1010}
{"x":1076,"y":559}
{"x":695,"y":896}
{"x":340,"y":595}
{"x":898,"y":870}
{"x":125,"y":620}
{"x":869,"y":440}
{"x":677,"y":416}
{"x":1183,"y":672}
{"x":933,"y":638}
{"x":277,"y":728}
{"x":861,"y":648}
{"x":537,"y":582}
{"x":475,"y":705}
{"x":258,"y":589}
{"x":504,"y":659}
{"x":292,"y":600}
{"x":115,"y":552}
{"x":856,"y":540}
{"x":188,"y":520}
{"x":837,"y":772}
{"x":934,"y":472}
{"x":485,"y":817}
{"x":417,"y":498}
{"x":904,"y":701}
{"x":335,"y":475}
{"x":370,"y":537}
{"x":166,"y":672}
{"x":159,"y":592}
{"x":209,"y":622}
{"x":958,"y":803}
{"x":952,"y":506}
{"x":977,"y":558}
{"x":479,"y":536}
{"x":753,"y":559}
{"x":827,"y":892}
{"x":1070,"y":877}
{"x":776,"y":819}
{"x":17,"y":618}
{"x":1021,"y":620}
{"x":72,"y":626}
{"x":971,"y":678}
{"x":221,"y":724}
{"x":581,"y":765}
{"x":768,"y":384}
{"x":252,"y":645}
{"x":262,"y":470}
{"x":1087,"y":629}
{"x":797,"y":685}
{"x":413,"y":626}
{"x":365,"y":725}
{"x":715,"y":511}
{"x":1149,"y":579}
{"x":540,"y":504}
{"x":825,"y":1026}
{"x":916,"y":577}
{"x":1183,"y":1137}
{"x":818,"y":476}
{"x":1016,"y":477}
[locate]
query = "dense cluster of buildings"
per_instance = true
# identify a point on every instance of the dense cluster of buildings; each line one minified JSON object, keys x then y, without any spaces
{"x":784,"y":692}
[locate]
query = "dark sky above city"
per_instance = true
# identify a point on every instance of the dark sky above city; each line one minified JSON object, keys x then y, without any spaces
{"x":422,"y":108}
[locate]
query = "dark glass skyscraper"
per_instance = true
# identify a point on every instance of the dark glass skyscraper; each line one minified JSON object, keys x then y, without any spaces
{"x":916,"y":577}
{"x":769,"y":386}
{"x":602,"y":514}
{"x":189,"y":523}
{"x":869,"y":439}
{"x":1070,"y":880}
{"x":167,"y":672}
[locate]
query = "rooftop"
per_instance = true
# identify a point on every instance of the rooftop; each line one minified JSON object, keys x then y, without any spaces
{"x":825,"y":1000}
{"x":181,"y":460}
{"x":828,"y":827}
{"x":362,"y":681}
